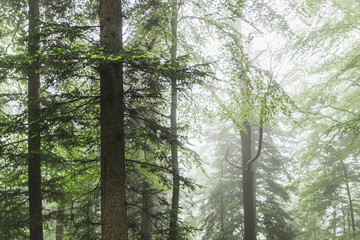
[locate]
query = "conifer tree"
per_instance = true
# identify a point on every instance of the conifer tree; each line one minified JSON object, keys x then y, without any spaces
{"x":113,"y":176}
{"x":34,"y":146}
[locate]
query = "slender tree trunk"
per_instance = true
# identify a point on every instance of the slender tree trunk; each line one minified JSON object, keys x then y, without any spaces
{"x":344,"y":225}
{"x":173,"y":234}
{"x":334,"y":217}
{"x":60,"y":217}
{"x":146,"y":218}
{"x":147,"y":206}
{"x":113,"y":182}
{"x":248,"y":185}
{"x":222,"y":206}
{"x":34,"y":148}
{"x":349,"y":198}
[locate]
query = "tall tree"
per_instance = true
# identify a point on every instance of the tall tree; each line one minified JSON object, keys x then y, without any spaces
{"x":248,"y":89}
{"x":173,"y":234}
{"x":34,"y":147}
{"x":113,"y":182}
{"x":221,"y":212}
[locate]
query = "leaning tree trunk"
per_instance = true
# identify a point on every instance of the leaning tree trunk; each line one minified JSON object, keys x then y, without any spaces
{"x":248,"y":182}
{"x":173,"y":234}
{"x":34,"y":148}
{"x":113,"y":183}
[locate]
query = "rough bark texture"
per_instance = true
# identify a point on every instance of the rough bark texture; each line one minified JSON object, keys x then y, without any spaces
{"x":113,"y":183}
{"x":34,"y":148}
{"x":248,"y":185}
{"x":173,"y":234}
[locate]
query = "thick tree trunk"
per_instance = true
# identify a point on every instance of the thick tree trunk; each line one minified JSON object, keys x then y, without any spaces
{"x":34,"y":148}
{"x":173,"y":234}
{"x":248,"y":185}
{"x":113,"y":182}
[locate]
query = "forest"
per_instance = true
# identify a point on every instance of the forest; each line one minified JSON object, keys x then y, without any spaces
{"x":179,"y":119}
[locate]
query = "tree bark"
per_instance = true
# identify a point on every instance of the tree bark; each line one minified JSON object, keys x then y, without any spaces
{"x":113,"y":182}
{"x":248,"y":185}
{"x":173,"y":234}
{"x":34,"y":147}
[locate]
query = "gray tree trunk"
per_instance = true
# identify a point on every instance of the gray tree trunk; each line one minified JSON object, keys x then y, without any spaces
{"x":248,"y":185}
{"x":173,"y":234}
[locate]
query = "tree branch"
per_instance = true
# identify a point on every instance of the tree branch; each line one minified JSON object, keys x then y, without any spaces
{"x":229,"y":161}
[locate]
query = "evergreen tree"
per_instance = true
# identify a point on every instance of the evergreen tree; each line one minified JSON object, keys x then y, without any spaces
{"x":34,"y":145}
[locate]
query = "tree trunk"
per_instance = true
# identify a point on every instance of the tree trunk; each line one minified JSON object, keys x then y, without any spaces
{"x":248,"y":185}
{"x":173,"y":234}
{"x":334,"y":217}
{"x":146,"y":214}
{"x":34,"y":148}
{"x":350,"y":199}
{"x":60,"y":217}
{"x":222,"y":206}
{"x":113,"y":182}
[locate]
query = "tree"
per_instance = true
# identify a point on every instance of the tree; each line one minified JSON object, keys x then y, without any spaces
{"x":34,"y":149}
{"x":113,"y":176}
{"x":221,"y":200}
{"x":221,"y":210}
{"x":174,"y":212}
{"x":141,"y":93}
{"x":245,"y":98}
